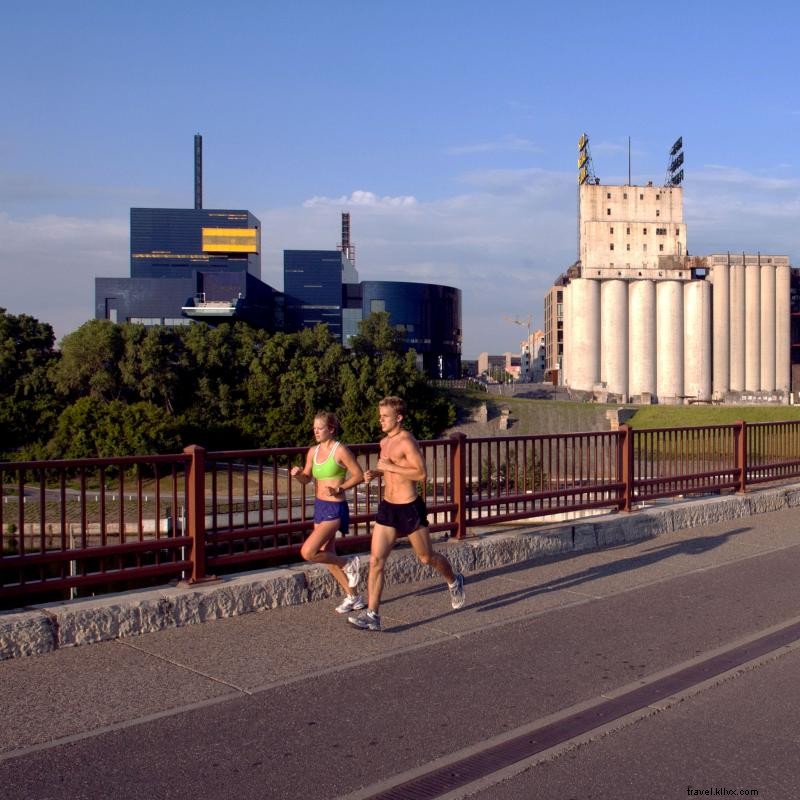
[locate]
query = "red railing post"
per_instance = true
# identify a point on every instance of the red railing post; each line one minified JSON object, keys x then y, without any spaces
{"x":740,"y":455}
{"x":458,"y":472}
{"x":625,"y":466}
{"x":196,"y":511}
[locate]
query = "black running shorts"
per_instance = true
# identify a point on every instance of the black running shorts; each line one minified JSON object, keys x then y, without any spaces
{"x":405,"y":518}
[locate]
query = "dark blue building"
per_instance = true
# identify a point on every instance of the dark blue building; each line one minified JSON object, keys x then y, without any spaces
{"x":428,"y":316}
{"x":191,"y":264}
{"x":312,"y":288}
{"x":323,"y":286}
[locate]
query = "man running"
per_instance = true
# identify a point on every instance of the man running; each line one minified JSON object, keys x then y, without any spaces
{"x":401,"y":512}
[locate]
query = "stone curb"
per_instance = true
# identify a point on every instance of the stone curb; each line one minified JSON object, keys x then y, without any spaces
{"x":44,"y":628}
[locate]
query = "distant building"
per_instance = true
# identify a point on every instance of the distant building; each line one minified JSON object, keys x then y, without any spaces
{"x":554,"y":333}
{"x":324,"y":286}
{"x":205,"y":265}
{"x":189,"y":264}
{"x":644,"y":322}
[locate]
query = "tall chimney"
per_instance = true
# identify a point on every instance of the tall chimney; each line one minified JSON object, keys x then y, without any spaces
{"x":198,"y":171}
{"x":346,"y":233}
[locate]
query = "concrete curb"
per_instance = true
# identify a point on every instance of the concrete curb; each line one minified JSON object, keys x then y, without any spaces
{"x":44,"y":628}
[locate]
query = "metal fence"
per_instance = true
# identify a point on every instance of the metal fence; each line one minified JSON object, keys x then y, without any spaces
{"x":95,"y":525}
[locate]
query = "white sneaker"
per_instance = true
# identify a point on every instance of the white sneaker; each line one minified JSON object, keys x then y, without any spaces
{"x":457,"y":596}
{"x":353,"y":602}
{"x":352,"y":569}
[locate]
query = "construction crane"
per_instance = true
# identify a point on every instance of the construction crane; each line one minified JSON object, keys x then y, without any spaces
{"x":525,"y":323}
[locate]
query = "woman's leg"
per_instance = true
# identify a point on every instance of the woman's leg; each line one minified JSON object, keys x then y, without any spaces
{"x":320,"y":548}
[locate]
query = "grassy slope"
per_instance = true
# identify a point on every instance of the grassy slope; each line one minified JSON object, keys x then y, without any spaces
{"x":555,"y":416}
{"x":682,"y":416}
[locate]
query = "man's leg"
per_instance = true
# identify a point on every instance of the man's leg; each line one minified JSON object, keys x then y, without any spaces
{"x":383,"y":539}
{"x":421,"y":542}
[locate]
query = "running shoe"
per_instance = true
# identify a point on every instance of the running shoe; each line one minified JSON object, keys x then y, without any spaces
{"x":367,"y":620}
{"x":352,"y":569}
{"x":353,"y":602}
{"x":456,"y":588}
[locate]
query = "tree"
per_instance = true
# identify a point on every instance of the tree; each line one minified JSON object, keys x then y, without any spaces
{"x":28,"y":406}
{"x":93,"y":428}
{"x":378,"y":367}
{"x":90,"y":361}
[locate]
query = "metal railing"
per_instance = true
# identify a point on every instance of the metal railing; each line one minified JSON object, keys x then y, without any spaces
{"x":92,"y":525}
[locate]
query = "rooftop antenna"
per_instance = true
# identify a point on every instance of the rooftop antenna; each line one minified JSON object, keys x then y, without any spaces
{"x":675,"y":166}
{"x":629,"y":161}
{"x":346,"y":248}
{"x":198,"y":171}
{"x":585,"y":175}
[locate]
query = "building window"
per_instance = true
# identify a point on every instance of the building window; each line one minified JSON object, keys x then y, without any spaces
{"x":641,"y":197}
{"x":627,"y":230}
{"x":644,"y":231}
{"x":377,"y":305}
{"x":624,"y":195}
{"x":608,"y":211}
{"x":661,"y":231}
{"x":644,"y":247}
{"x":627,"y":247}
{"x":677,"y":232}
{"x":658,"y":197}
{"x":608,"y":195}
{"x":612,"y":229}
{"x":658,"y":213}
{"x":611,"y":246}
{"x":661,"y":248}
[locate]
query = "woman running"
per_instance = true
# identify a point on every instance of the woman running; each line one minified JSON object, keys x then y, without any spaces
{"x":328,"y":464}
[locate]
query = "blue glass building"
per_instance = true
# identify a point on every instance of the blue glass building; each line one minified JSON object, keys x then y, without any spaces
{"x":323,"y":286}
{"x":190,"y":264}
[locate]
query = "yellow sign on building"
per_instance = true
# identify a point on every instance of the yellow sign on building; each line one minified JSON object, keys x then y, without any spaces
{"x":230,"y":240}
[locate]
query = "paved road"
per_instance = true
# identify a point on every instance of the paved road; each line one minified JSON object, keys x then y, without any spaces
{"x":293,"y":703}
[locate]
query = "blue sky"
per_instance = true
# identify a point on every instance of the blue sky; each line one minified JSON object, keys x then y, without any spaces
{"x":448,"y":129}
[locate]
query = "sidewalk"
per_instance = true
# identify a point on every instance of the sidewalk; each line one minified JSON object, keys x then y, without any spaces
{"x":48,"y":627}
{"x":294,"y":702}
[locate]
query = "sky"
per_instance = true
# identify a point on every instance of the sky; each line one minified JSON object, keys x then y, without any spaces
{"x":447,"y":128}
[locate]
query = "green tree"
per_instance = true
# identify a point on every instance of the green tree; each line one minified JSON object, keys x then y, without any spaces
{"x":92,"y":428}
{"x":28,"y":405}
{"x":153,"y":368}
{"x":378,"y":367}
{"x":90,"y":361}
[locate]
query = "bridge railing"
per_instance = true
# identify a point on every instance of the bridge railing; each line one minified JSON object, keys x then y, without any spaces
{"x":95,"y":525}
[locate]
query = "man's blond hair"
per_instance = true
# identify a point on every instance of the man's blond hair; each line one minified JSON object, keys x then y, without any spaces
{"x":396,"y":403}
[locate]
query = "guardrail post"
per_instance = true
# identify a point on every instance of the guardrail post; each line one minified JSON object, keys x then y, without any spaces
{"x":196,"y":511}
{"x":458,"y":473}
{"x":740,"y":455}
{"x":625,"y":466}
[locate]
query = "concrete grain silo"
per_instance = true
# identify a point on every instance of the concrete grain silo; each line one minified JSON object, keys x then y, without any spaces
{"x":738,"y":348}
{"x":752,"y":327}
{"x":783,"y":367}
{"x":584,"y":352}
{"x":767,"y":381}
{"x":721,"y":315}
{"x":697,"y":340}
{"x":614,"y":337}
{"x":642,"y":338}
{"x":669,"y":341}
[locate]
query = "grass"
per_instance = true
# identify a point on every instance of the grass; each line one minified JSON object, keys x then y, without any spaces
{"x":684,"y":416}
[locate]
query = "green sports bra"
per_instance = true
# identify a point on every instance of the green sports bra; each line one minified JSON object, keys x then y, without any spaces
{"x":328,"y":468}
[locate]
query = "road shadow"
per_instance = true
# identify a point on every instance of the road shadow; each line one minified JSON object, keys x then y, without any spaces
{"x":698,"y":546}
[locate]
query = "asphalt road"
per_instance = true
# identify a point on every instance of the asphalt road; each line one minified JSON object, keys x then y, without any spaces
{"x":294,"y":703}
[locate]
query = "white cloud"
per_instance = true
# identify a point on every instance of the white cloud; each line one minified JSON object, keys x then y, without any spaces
{"x":502,"y":241}
{"x":361,"y":198}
